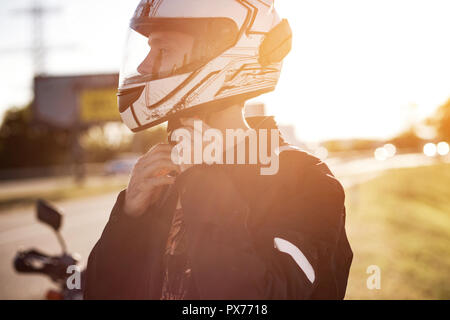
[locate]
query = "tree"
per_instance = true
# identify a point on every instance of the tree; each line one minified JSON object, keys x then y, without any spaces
{"x":24,"y":144}
{"x":408,"y":140}
{"x":442,"y":121}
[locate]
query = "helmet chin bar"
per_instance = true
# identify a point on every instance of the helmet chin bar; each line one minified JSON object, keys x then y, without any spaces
{"x":126,"y":97}
{"x":208,"y":107}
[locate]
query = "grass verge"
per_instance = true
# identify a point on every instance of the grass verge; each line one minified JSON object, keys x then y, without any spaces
{"x":400,"y":222}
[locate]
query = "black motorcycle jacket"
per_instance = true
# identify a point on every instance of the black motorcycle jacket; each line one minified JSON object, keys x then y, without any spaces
{"x":232,"y":215}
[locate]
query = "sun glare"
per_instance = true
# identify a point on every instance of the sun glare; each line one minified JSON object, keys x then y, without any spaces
{"x":356,"y":67}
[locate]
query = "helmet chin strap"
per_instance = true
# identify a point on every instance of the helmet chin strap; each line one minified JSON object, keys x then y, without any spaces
{"x":205,"y":114}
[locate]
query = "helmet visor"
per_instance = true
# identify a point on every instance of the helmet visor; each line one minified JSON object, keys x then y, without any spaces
{"x":163,"y":47}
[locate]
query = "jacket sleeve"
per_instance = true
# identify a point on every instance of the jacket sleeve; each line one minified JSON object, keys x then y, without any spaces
{"x":281,"y":259}
{"x":113,"y":265}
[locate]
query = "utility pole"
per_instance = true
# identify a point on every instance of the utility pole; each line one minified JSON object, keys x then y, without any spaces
{"x":38,"y":48}
{"x":39,"y":51}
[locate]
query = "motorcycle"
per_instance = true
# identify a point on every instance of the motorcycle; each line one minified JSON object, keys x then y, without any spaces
{"x":61,"y":269}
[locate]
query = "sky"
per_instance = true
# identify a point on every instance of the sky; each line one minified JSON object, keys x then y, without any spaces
{"x":358,"y":68}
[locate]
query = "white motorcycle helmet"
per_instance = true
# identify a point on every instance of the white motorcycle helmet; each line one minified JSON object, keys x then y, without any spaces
{"x":183,"y":55}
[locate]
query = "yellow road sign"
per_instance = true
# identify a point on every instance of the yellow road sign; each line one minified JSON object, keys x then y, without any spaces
{"x":99,"y":105}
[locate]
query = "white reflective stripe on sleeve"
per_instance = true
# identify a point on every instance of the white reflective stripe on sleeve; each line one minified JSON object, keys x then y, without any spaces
{"x":298,"y":256}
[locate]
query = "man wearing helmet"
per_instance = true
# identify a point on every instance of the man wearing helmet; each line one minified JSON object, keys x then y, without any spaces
{"x":215,"y":231}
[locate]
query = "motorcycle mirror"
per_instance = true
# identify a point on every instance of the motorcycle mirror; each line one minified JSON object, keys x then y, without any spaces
{"x":46,"y":213}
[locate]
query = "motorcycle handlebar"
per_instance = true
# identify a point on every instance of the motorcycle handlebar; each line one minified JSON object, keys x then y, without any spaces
{"x":34,"y":261}
{"x":28,"y":261}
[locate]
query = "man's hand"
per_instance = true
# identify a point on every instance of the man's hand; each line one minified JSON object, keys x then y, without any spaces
{"x":148,"y":177}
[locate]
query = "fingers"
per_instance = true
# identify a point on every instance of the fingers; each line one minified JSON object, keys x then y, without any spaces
{"x":159,"y":148}
{"x":145,"y":161}
{"x":159,"y":182}
{"x":149,"y":174}
{"x":158,"y":152}
{"x":159,"y":167}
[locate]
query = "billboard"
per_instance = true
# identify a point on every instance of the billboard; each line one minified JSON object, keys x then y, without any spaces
{"x":95,"y":105}
{"x":68,"y":101}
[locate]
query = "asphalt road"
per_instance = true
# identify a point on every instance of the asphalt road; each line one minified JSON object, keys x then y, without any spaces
{"x":85,"y":219}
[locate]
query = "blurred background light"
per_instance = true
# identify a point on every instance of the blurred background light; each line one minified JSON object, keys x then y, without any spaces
{"x":429,"y":149}
{"x":390,"y":149}
{"x":443,"y":148}
{"x":381,"y":154}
